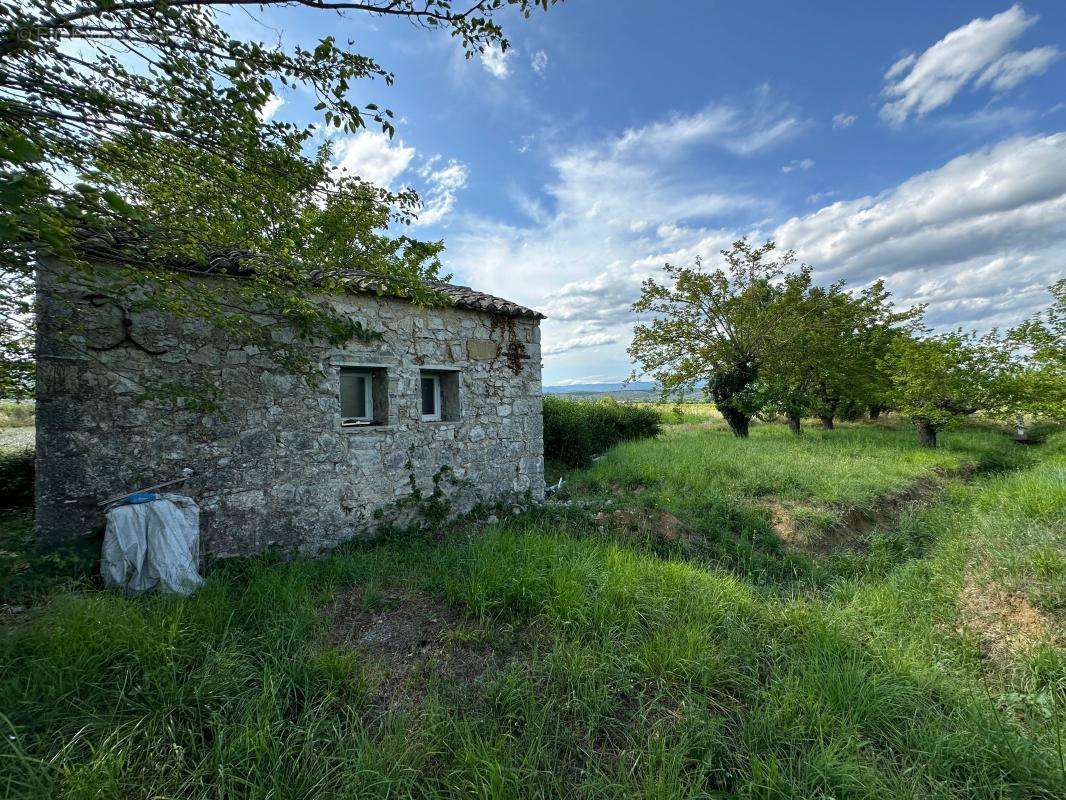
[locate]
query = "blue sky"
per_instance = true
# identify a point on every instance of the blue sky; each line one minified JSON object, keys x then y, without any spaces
{"x":920,"y":142}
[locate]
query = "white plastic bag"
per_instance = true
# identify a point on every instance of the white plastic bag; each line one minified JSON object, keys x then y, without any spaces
{"x":153,"y":544}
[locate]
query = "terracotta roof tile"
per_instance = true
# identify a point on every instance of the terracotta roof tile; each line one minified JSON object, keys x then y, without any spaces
{"x":461,"y":297}
{"x":108,"y":245}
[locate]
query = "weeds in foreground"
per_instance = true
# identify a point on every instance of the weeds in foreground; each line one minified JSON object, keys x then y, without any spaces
{"x":645,"y":677}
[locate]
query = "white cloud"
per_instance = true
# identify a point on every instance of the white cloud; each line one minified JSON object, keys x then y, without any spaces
{"x":843,"y":120}
{"x":740,"y":131}
{"x":494,"y":59}
{"x":901,"y":66}
{"x":580,"y":343}
{"x":1013,"y":68}
{"x":372,"y":156}
{"x":986,"y":120}
{"x":270,"y":108}
{"x":819,"y":197}
{"x":977,"y":238}
{"x":978,"y":52}
{"x":613,"y":212}
{"x":444,"y":184}
{"x":539,"y":62}
{"x":804,"y":164}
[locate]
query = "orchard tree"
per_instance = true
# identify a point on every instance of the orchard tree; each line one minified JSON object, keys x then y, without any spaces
{"x":715,"y":330}
{"x":853,"y":333}
{"x":1040,"y":343}
{"x":790,"y":370}
{"x":938,"y":380}
{"x":91,"y":91}
{"x":830,"y":363}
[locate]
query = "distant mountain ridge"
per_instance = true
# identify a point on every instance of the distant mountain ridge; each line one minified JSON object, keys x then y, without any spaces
{"x":597,"y":388}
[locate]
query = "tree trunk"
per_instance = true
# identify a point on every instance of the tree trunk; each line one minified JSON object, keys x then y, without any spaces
{"x":827,"y":421}
{"x":738,"y":421}
{"x":793,"y":422}
{"x":926,"y":433}
{"x":850,"y":412}
{"x":875,"y":412}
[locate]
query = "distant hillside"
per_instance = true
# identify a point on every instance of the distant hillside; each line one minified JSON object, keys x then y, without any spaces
{"x":601,"y":388}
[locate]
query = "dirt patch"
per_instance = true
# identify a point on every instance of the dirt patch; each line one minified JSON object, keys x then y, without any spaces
{"x":1004,"y":622}
{"x":413,"y":639}
{"x":652,"y":523}
{"x":852,"y":529}
{"x":786,"y":528}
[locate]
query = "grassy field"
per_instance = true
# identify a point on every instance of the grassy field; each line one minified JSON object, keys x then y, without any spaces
{"x":649,"y":635}
{"x":758,"y":507}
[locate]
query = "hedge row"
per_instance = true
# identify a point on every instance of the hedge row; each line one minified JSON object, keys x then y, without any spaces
{"x":577,"y":430}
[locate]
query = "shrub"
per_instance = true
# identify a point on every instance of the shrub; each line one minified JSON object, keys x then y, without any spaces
{"x":577,"y":430}
{"x":16,"y":479}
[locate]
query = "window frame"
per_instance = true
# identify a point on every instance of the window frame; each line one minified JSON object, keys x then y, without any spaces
{"x":437,"y":415}
{"x":368,"y":398}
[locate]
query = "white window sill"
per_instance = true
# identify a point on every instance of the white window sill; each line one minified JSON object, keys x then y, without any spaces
{"x":363,"y":428}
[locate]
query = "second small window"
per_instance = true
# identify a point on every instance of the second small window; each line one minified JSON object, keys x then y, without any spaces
{"x":431,"y":401}
{"x":439,"y":395}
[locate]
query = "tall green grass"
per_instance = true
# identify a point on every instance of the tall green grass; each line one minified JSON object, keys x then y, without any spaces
{"x":639,"y":677}
{"x":848,"y":467}
{"x":723,"y":489}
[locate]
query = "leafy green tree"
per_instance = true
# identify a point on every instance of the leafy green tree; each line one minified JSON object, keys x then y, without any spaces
{"x":938,"y":380}
{"x":1040,"y":343}
{"x":715,"y":330}
{"x":852,"y":334}
{"x":831,"y":362}
{"x":790,"y":370}
{"x":93,"y":90}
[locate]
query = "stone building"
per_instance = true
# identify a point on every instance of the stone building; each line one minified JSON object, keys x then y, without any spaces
{"x":445,"y":398}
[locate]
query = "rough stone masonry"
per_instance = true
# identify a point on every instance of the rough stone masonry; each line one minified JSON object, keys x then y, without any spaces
{"x":274,"y":465}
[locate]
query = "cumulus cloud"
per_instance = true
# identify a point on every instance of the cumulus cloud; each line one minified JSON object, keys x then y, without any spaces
{"x":978,"y":238}
{"x":612,"y":213}
{"x":1013,"y":68}
{"x":978,"y":53}
{"x":372,"y":156}
{"x":804,"y":164}
{"x":579,"y":343}
{"x":494,"y":59}
{"x":270,"y":108}
{"x":539,"y":62}
{"x":443,"y":185}
{"x":843,"y":120}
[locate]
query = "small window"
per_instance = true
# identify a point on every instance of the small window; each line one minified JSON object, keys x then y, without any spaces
{"x":431,"y":409}
{"x":439,"y":395}
{"x":357,"y":397}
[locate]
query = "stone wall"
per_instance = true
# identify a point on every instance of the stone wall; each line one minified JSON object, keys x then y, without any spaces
{"x":273,"y":467}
